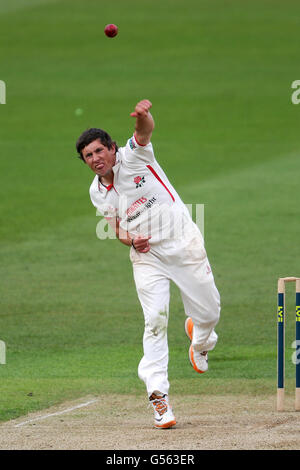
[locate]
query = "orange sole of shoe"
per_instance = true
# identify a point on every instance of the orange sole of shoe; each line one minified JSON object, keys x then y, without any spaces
{"x":189,"y":328}
{"x":191,"y":356}
{"x":166,"y":425}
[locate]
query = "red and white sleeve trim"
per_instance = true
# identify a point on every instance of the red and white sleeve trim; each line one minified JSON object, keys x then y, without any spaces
{"x":138,"y":143}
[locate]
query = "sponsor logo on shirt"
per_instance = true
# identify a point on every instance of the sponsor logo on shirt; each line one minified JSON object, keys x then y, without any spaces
{"x":141,"y":204}
{"x":139,"y":181}
{"x":135,"y":205}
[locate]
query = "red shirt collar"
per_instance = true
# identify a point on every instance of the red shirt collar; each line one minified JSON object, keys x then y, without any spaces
{"x":108,"y":187}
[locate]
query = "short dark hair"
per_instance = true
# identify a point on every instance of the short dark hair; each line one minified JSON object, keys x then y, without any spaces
{"x":92,"y":134}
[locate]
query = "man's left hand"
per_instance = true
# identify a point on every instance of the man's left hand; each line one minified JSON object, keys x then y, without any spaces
{"x":141,"y":243}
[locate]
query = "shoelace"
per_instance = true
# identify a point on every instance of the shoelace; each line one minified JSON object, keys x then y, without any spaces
{"x":160,"y":405}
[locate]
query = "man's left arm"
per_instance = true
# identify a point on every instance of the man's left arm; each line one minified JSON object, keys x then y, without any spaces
{"x":144,"y":124}
{"x":139,"y":242}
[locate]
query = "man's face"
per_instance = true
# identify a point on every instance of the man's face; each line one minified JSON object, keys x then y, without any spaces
{"x":99,"y":158}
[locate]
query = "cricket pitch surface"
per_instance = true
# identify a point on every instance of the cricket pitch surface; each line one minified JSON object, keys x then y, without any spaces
{"x":116,"y":422}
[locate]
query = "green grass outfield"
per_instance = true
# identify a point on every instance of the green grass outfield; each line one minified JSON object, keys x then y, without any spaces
{"x":219,"y":75}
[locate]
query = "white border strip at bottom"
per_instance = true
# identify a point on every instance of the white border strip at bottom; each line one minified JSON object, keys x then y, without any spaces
{"x":38,"y":418}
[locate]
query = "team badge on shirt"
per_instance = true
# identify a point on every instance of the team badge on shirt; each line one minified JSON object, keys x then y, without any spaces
{"x":139,"y":181}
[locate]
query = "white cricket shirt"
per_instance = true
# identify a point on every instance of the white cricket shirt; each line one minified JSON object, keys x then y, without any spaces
{"x":141,"y":196}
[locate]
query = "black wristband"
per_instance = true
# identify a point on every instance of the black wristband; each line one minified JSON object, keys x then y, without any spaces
{"x":132,"y":244}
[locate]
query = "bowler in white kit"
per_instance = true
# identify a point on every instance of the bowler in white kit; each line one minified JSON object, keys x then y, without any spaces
{"x":133,"y":193}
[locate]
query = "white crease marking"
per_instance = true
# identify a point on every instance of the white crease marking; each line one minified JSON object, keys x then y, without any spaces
{"x":39,"y":418}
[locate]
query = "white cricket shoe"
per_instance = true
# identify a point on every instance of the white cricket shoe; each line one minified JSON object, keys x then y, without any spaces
{"x":163,"y":414}
{"x":199,"y":360}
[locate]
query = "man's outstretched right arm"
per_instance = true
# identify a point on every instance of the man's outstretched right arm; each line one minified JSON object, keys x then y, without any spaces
{"x":144,"y":123}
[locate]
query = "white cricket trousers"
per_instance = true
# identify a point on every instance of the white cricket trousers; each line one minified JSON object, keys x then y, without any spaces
{"x":183,"y":261}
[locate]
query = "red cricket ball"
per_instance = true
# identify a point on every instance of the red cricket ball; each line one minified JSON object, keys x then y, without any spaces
{"x":111,"y":30}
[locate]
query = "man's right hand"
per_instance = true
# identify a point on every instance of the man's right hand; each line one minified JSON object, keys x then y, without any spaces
{"x":144,"y":124}
{"x":141,"y":110}
{"x":141,"y":243}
